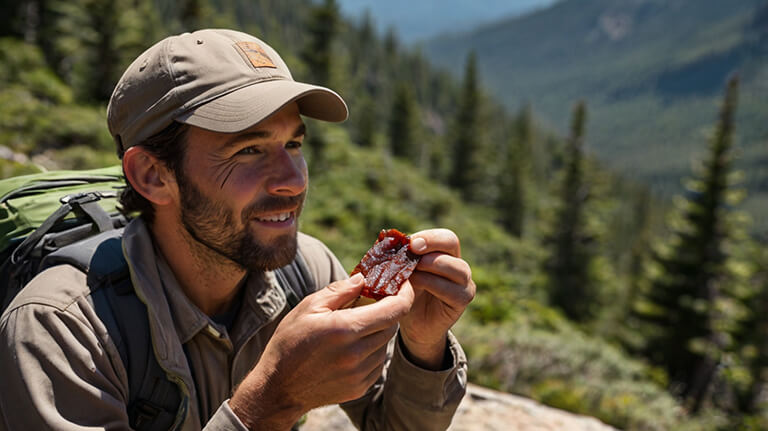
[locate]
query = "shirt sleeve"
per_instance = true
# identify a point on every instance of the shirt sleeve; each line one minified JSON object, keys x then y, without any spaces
{"x":57,"y":373}
{"x":408,"y":397}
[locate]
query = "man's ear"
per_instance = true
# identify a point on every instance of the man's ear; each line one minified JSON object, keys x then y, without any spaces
{"x":149,"y":176}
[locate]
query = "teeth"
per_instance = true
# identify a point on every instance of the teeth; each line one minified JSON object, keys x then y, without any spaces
{"x":276,"y":217}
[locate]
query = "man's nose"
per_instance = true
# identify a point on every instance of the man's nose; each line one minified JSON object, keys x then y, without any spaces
{"x":288,"y":174}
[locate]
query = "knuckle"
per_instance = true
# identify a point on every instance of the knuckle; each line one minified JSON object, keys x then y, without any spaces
{"x":470,"y":292}
{"x":337,"y":286}
{"x":448,"y":234}
{"x":347,"y":361}
{"x":461,"y":272}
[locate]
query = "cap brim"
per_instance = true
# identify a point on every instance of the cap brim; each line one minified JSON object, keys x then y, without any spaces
{"x":244,"y":107}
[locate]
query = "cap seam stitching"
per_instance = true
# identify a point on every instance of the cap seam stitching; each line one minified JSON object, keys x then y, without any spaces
{"x":231,"y":90}
{"x":168,"y":66}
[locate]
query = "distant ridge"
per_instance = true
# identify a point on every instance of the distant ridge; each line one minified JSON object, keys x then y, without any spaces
{"x":651,"y":71}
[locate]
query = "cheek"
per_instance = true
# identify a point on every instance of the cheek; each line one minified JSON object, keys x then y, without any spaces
{"x":243,"y":183}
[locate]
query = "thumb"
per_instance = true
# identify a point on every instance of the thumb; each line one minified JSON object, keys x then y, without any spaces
{"x":340,"y":293}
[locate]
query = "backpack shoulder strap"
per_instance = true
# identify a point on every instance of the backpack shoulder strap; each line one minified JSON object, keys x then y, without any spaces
{"x":295,"y":280}
{"x":154,"y":401}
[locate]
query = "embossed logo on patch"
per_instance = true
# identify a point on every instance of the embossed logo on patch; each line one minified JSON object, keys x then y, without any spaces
{"x":255,"y":54}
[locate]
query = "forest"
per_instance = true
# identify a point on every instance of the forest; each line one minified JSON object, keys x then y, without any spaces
{"x":595,"y":295}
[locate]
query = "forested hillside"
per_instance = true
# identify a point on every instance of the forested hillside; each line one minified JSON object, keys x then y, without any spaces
{"x":591,"y":293}
{"x":651,"y":72}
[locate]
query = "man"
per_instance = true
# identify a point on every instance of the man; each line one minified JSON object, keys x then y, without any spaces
{"x":209,"y":129}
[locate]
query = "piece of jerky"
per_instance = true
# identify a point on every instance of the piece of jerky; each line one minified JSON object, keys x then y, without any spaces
{"x":387,"y":264}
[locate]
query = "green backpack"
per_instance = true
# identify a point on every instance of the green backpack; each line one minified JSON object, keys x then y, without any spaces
{"x":42,"y":213}
{"x":71,"y":217}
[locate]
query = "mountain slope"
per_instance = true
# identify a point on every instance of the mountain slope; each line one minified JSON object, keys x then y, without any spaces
{"x":414,"y":21}
{"x":651,"y":72}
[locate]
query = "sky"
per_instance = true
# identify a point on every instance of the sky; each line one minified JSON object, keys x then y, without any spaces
{"x":416,"y":20}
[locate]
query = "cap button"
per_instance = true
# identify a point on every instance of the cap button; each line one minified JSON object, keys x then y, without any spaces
{"x":199,"y":42}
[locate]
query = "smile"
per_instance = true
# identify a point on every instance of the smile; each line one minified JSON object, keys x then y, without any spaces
{"x":276,"y":218}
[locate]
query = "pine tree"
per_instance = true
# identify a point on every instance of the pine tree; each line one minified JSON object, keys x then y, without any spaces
{"x":684,"y":303}
{"x":570,"y":285}
{"x":465,"y":172}
{"x":322,"y":28}
{"x":194,"y":14}
{"x":363,"y":43}
{"x":89,"y":43}
{"x":402,"y":123}
{"x":751,"y":339}
{"x":365,"y":122}
{"x":511,"y":199}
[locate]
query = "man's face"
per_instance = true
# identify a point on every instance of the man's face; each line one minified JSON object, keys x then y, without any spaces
{"x":242,"y":193}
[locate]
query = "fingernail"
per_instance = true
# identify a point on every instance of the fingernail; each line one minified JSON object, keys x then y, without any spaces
{"x":418,"y":245}
{"x":356,"y":279}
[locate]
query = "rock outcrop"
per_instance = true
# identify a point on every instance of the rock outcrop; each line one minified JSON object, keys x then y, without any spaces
{"x":481,"y":410}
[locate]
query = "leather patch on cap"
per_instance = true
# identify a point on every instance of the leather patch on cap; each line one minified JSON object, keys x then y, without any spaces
{"x":255,"y":54}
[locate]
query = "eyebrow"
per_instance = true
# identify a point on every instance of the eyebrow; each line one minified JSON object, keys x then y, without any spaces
{"x":301,"y":130}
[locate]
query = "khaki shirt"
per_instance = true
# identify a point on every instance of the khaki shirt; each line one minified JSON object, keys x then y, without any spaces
{"x":61,"y":370}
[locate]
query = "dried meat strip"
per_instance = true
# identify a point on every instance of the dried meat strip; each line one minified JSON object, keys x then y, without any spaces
{"x":387,"y":264}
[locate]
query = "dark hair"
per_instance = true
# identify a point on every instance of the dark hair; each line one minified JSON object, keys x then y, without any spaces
{"x":167,"y":146}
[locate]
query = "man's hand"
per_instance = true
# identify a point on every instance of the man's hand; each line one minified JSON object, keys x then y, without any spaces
{"x":443,"y":288}
{"x":320,"y":354}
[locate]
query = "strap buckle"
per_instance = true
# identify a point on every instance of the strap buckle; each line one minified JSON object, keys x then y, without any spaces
{"x":85,"y":197}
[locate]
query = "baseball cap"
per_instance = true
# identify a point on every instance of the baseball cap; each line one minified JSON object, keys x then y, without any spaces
{"x":219,"y":80}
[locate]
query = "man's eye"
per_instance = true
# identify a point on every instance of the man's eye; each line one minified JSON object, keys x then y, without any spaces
{"x":249,"y":150}
{"x":293,"y":144}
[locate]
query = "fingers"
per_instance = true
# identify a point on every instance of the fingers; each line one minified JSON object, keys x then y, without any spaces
{"x":339,"y":293}
{"x":447,"y":278}
{"x":382,"y":313}
{"x":368,"y":371}
{"x":432,"y":240}
{"x":451,"y":294}
{"x":373,"y":343}
{"x":447,"y":266}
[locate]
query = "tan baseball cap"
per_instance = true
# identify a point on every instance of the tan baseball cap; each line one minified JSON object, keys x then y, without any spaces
{"x":219,"y":80}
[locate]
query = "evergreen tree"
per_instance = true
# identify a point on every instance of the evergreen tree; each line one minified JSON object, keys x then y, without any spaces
{"x":570,"y":285}
{"x":322,"y":29}
{"x":194,"y":14}
{"x":366,"y":121}
{"x":684,"y":305}
{"x":363,"y":43}
{"x":465,"y":173}
{"x":402,"y":123}
{"x":511,"y":200}
{"x":752,"y":337}
{"x":90,"y":42}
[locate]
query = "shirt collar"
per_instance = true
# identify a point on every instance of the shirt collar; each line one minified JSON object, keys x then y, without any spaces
{"x":263,"y":298}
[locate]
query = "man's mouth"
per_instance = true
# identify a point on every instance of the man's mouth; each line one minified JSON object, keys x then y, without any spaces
{"x":276,"y":218}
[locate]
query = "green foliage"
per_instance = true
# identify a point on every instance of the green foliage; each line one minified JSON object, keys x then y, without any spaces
{"x":402,"y":124}
{"x":467,"y":129}
{"x":11,"y":168}
{"x":322,"y":29}
{"x":91,"y":42}
{"x":36,"y":109}
{"x":365,"y":124}
{"x":505,"y":169}
{"x":570,"y":284}
{"x":561,"y":366}
{"x":516,"y":170}
{"x":349,"y":204}
{"x":690,"y":304}
{"x":661,"y":66}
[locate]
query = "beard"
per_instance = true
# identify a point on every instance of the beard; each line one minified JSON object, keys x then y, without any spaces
{"x":210,"y":223}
